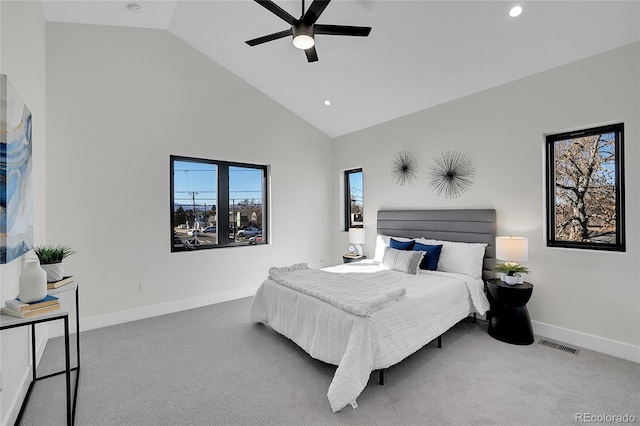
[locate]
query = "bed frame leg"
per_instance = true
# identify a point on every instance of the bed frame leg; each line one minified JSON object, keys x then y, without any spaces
{"x":381,"y":377}
{"x":474,"y":317}
{"x":440,"y":342}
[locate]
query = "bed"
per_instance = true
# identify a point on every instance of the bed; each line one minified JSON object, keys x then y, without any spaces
{"x":369,"y":315}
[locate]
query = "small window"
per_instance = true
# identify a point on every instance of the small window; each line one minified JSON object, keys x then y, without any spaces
{"x":354,"y":199}
{"x":585,"y":189}
{"x":217,"y":204}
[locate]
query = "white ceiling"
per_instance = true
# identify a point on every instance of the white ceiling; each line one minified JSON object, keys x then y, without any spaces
{"x":419,"y":53}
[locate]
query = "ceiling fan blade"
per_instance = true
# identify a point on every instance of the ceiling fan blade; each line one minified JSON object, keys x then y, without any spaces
{"x":312,"y":56}
{"x":277,"y":10}
{"x":345,"y":30}
{"x":269,"y":37}
{"x":314,"y":11}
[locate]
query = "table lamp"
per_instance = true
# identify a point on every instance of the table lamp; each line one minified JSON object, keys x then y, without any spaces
{"x":512,"y":249}
{"x":356,"y":238}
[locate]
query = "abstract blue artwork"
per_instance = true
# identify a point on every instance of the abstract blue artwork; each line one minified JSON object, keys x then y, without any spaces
{"x":16,"y":178}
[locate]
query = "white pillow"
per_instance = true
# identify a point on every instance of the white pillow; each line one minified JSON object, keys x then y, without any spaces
{"x":462,"y":258}
{"x":407,"y":261}
{"x":382,"y":242}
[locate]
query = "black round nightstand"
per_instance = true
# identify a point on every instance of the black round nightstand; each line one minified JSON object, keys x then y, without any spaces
{"x":509,"y":319}
{"x":348,"y":259}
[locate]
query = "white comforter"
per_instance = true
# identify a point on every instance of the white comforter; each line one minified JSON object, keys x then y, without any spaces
{"x":434,"y":301}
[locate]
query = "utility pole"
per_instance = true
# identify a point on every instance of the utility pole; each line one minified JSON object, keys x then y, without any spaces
{"x":193,"y":198}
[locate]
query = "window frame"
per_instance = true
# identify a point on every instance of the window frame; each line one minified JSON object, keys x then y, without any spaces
{"x":222,"y":204}
{"x":619,"y":192}
{"x":347,"y":198}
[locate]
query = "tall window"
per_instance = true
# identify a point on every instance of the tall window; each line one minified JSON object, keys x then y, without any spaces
{"x":217,"y":204}
{"x":354,"y":199}
{"x":585,"y":189}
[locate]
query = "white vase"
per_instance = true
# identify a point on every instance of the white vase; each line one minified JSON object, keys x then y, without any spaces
{"x":33,"y":283}
{"x":54,"y":271}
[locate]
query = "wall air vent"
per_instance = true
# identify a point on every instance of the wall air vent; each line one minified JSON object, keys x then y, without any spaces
{"x":559,"y":347}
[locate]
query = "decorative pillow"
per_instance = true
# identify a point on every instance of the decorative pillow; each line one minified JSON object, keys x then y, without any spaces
{"x":382,"y":242}
{"x":430,"y":261}
{"x":407,"y":261}
{"x":401,"y":245}
{"x":462,"y":258}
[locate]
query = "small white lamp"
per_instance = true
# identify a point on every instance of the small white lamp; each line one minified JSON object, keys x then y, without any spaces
{"x":357,"y":237}
{"x":512,"y":249}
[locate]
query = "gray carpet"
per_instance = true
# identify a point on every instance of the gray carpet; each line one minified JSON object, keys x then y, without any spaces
{"x":212,"y":366}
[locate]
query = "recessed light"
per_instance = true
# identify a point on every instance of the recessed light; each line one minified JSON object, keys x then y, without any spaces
{"x":133,"y":7}
{"x":515,"y":11}
{"x":327,"y":102}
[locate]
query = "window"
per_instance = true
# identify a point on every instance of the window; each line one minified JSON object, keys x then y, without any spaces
{"x":585,"y":189}
{"x":354,"y":199}
{"x":217,"y":204}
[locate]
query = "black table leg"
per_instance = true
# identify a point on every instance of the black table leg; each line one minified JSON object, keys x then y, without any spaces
{"x":68,"y":369}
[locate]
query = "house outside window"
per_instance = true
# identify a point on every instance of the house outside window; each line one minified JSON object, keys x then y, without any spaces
{"x":354,"y":199}
{"x":217,"y":204}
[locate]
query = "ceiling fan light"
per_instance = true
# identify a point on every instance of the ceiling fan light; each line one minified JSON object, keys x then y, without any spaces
{"x":303,"y":41}
{"x":303,"y":36}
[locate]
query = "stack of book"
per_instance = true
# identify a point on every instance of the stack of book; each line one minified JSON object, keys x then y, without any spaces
{"x":16,"y":308}
{"x":57,"y":284}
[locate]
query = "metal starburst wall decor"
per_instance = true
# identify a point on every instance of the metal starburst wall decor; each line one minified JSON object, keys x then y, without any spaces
{"x":404,"y":168}
{"x":451,"y":173}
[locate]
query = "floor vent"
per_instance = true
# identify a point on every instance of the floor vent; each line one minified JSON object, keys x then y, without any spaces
{"x":559,"y":347}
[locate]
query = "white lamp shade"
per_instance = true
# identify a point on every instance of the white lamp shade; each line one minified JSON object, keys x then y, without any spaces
{"x":356,"y":235}
{"x":512,"y":249}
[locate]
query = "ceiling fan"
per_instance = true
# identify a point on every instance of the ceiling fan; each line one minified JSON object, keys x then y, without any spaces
{"x":304,"y":29}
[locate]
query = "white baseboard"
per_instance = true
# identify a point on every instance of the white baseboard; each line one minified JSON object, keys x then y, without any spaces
{"x":588,"y":341}
{"x":56,"y":330}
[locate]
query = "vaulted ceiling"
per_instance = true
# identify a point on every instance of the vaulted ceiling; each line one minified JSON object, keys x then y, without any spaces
{"x":419,"y":53}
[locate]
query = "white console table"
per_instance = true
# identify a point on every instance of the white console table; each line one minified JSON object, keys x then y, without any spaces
{"x":68,"y":298}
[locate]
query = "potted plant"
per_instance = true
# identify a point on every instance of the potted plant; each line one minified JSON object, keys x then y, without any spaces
{"x":51,"y":258}
{"x":511,"y":272}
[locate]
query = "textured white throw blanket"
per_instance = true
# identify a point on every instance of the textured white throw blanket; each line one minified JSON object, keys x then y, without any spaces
{"x":351,"y":295}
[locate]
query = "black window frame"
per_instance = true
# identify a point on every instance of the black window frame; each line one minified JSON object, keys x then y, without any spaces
{"x":348,"y":223}
{"x":222,"y":205}
{"x":620,"y":238}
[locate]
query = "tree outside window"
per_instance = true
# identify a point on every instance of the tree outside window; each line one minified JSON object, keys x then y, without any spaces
{"x":585,"y":189}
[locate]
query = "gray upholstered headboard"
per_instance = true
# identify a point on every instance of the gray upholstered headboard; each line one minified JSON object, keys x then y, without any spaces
{"x":467,"y":225}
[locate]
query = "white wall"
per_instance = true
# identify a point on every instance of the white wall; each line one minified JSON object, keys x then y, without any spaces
{"x":22,"y":53}
{"x":593,"y":294}
{"x":120,"y":101}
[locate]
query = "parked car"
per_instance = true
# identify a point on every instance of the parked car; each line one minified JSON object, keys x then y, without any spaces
{"x":255,"y":239}
{"x":210,"y":229}
{"x":193,"y":233}
{"x":249,"y":232}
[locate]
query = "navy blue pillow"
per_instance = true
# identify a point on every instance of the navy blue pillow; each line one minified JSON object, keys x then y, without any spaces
{"x":401,"y":245}
{"x":430,"y":260}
